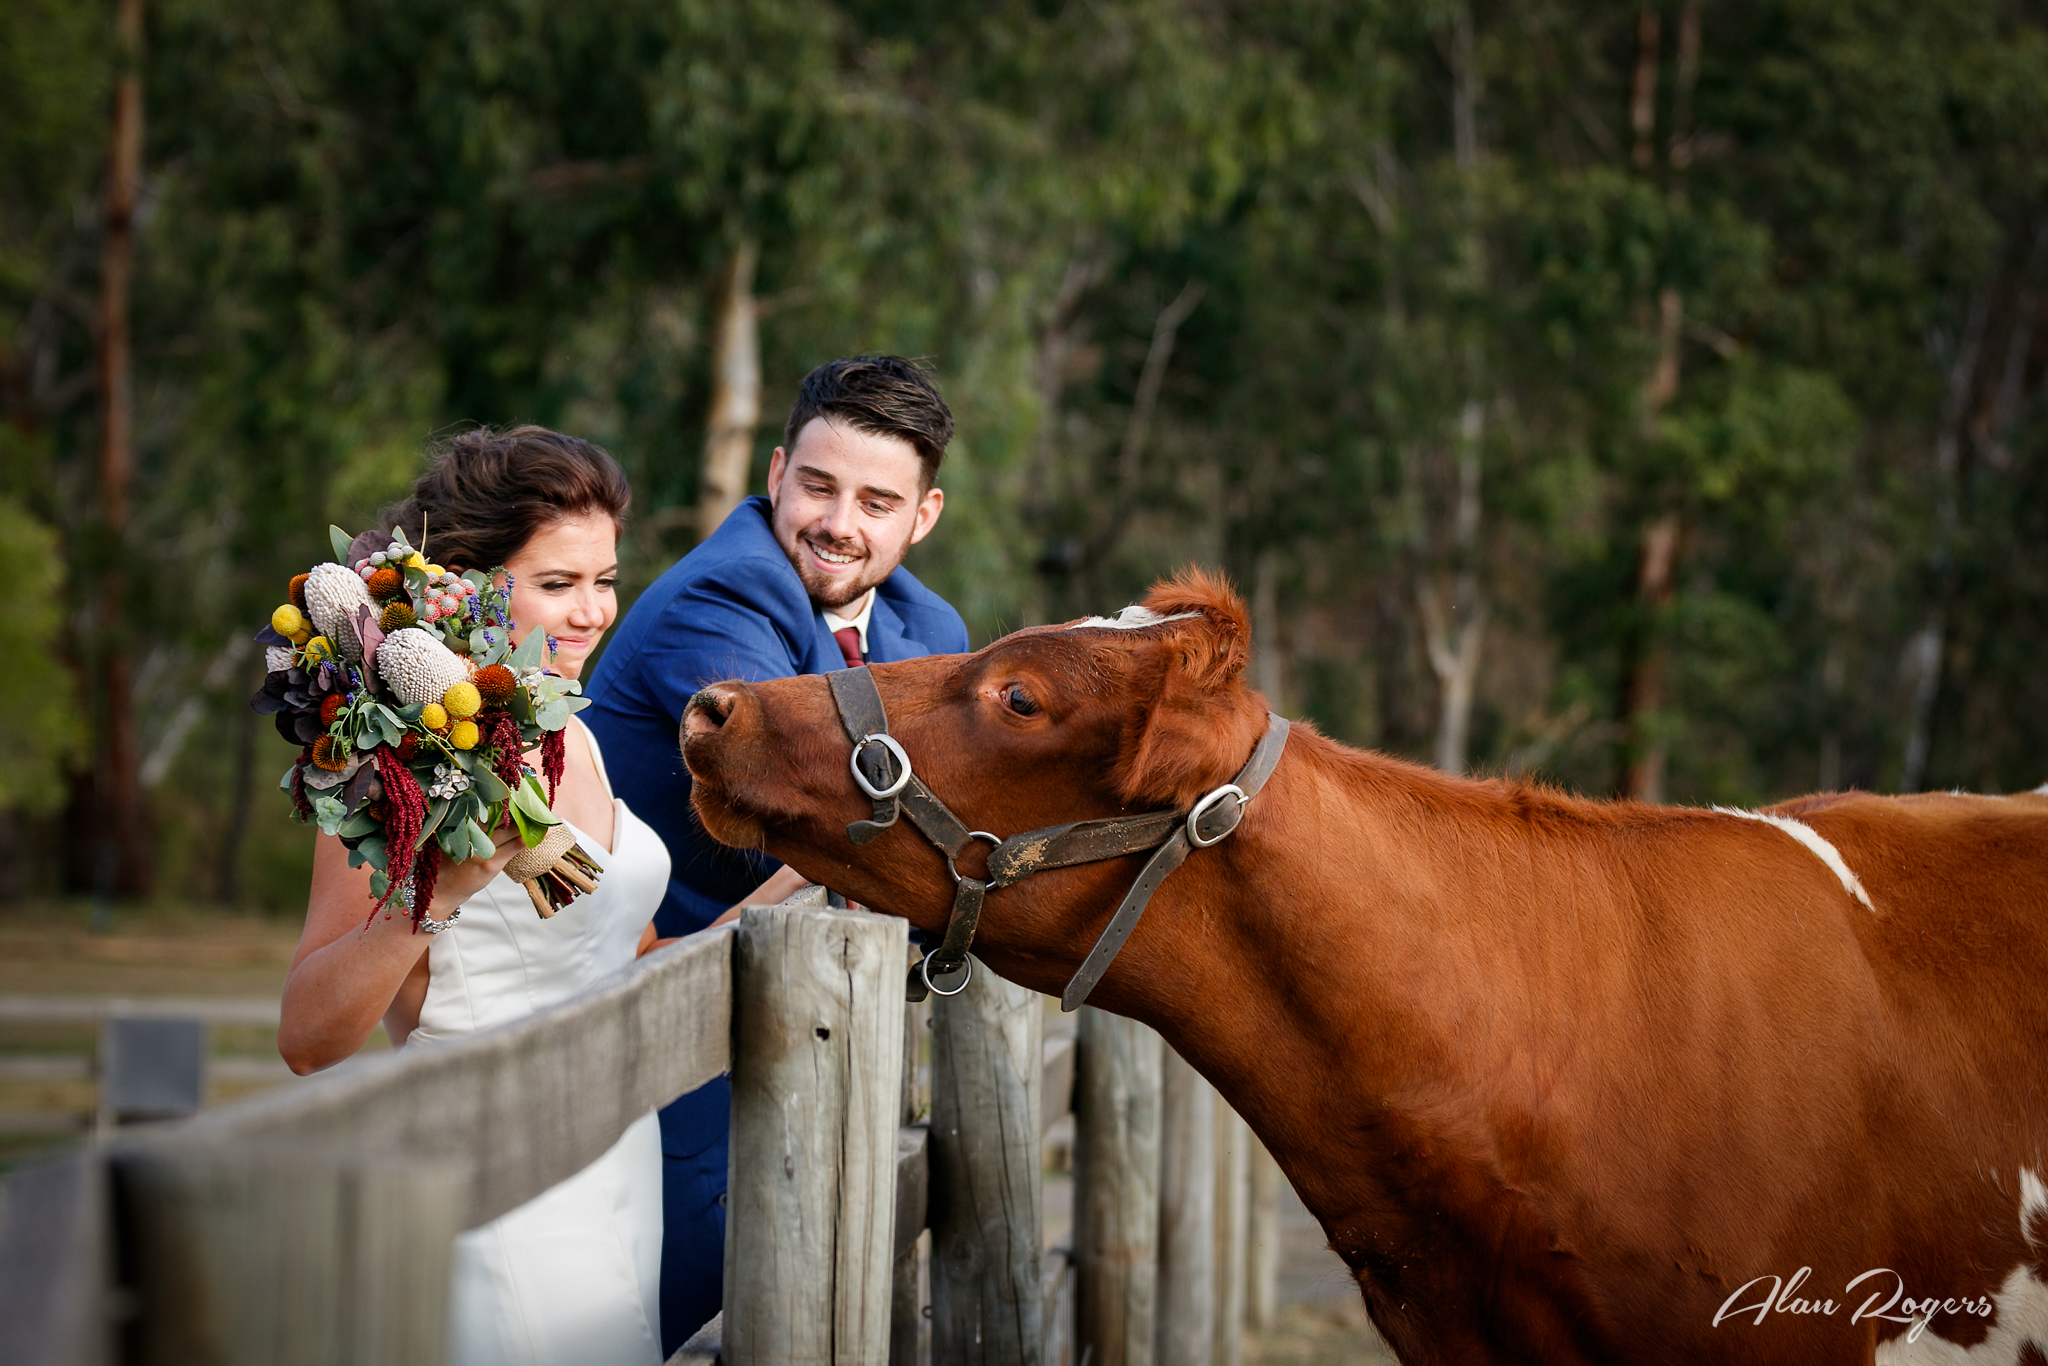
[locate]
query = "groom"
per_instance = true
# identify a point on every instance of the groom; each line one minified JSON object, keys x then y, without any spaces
{"x":806,"y":580}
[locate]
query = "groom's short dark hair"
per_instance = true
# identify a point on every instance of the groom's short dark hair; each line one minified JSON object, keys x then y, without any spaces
{"x":880,"y":395}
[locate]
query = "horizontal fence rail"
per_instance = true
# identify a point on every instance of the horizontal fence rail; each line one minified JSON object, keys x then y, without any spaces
{"x":314,"y":1223}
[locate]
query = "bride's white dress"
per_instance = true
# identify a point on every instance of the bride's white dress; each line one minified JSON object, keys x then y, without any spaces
{"x":573,"y":1276}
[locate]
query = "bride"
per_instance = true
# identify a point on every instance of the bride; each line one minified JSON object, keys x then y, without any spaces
{"x":573,"y":1275}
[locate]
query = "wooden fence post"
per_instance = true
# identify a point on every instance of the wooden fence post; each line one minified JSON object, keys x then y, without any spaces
{"x":1116,"y":1189}
{"x":988,"y":1059}
{"x":56,"y":1264}
{"x":1262,"y":1294}
{"x":906,"y":1287}
{"x":1187,"y":1215}
{"x":263,"y":1254}
{"x":1233,"y":1217}
{"x":816,"y":1096}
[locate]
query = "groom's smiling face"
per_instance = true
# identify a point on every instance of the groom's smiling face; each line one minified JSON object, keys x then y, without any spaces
{"x":848,"y":505}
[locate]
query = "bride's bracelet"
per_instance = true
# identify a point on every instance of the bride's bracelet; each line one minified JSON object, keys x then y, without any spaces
{"x":436,"y":926}
{"x":426,"y":925}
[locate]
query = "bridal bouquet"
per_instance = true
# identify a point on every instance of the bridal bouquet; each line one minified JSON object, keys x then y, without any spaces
{"x":400,"y":681}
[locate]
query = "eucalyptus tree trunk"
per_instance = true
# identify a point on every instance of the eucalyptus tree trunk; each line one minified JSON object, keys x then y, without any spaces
{"x":1451,"y":601}
{"x":120,"y":821}
{"x":1648,"y":752}
{"x":1925,"y":649}
{"x":735,"y":396}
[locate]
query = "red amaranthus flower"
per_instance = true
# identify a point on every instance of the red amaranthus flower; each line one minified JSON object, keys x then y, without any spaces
{"x":405,"y":813}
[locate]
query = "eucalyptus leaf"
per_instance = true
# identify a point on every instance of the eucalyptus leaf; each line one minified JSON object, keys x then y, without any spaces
{"x":339,"y":539}
{"x":532,"y":652}
{"x":330,"y":812}
{"x":437,"y":811}
{"x":529,"y":799}
{"x":488,"y":786}
{"x":375,"y":851}
{"x":362,"y":823}
{"x":380,"y":883}
{"x":531,"y":832}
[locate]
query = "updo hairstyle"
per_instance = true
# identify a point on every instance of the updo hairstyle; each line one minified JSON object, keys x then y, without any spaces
{"x":487,"y":492}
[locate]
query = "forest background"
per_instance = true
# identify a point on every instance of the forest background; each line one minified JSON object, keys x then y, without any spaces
{"x":1646,"y":399}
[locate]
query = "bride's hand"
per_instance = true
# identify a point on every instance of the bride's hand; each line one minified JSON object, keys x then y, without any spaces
{"x":459,"y":882}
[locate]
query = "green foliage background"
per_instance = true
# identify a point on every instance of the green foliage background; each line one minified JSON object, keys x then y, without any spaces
{"x":365,"y":220}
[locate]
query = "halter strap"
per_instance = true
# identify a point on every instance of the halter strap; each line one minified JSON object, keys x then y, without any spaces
{"x":882,"y":769}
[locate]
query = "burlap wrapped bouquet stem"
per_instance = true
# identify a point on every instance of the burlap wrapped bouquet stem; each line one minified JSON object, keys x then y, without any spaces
{"x":550,"y":856}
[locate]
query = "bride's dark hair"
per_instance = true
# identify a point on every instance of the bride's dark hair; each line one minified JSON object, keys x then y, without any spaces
{"x":486,"y":492}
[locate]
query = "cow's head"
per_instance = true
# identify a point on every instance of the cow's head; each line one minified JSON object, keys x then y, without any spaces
{"x":1095,"y":718}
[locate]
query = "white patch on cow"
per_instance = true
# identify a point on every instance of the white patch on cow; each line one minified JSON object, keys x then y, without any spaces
{"x":2033,"y":1204}
{"x":2041,"y":791}
{"x":2021,"y":1318}
{"x":1811,"y":838}
{"x":1131,"y":618}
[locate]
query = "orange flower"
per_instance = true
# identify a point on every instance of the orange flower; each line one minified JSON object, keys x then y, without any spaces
{"x":330,"y":754}
{"x":297,"y":591}
{"x":397,"y":616}
{"x":497,"y":684}
{"x":330,"y":707}
{"x":386,"y":584}
{"x":408,"y":746}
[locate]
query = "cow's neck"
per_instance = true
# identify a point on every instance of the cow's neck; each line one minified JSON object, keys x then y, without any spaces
{"x":1366,"y":955}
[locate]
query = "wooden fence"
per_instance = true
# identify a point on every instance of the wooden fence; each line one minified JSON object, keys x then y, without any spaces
{"x":312,"y":1224}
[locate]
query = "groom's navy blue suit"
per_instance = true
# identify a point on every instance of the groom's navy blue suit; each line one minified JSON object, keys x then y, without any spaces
{"x":732,"y":608}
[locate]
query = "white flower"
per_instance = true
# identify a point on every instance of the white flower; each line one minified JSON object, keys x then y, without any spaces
{"x":450,"y":782}
{"x":418,"y":666}
{"x":277,"y":658}
{"x":333,"y":593}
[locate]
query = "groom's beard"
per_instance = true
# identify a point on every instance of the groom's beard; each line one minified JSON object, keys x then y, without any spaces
{"x":833,"y":591}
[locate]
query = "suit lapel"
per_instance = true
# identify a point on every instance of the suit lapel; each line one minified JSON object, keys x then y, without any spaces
{"x":887,"y":640}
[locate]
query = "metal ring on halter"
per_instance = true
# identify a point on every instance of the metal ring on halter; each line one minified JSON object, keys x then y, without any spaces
{"x":924,"y":965}
{"x":994,"y":841}
{"x":1202,"y":809}
{"x":887,"y":742}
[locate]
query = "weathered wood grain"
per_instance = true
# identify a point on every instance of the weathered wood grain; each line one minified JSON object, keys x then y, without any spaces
{"x":1057,"y":1099}
{"x":1262,"y":1276}
{"x":1116,"y":1189}
{"x":818,"y":1011}
{"x":275,"y":1254}
{"x":55,"y":1263}
{"x":1233,"y":1217}
{"x":913,"y":1189}
{"x":988,"y":1294}
{"x":1187,"y":1215}
{"x":552,"y":1092}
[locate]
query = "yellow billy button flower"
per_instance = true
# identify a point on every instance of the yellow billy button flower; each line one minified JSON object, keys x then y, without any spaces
{"x":434,"y":717}
{"x":464,"y":735}
{"x":463,"y":701}
{"x":319,"y":649}
{"x":289,"y":622}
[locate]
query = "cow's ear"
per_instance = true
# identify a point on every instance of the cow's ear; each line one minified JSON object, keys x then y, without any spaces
{"x":1197,"y":723}
{"x":1214,"y":634}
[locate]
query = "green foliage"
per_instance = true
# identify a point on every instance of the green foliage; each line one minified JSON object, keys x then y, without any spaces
{"x":1803,"y":317}
{"x":40,"y":729}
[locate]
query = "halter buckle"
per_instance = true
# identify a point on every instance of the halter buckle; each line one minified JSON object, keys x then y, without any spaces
{"x":1208,"y":803}
{"x":887,"y":742}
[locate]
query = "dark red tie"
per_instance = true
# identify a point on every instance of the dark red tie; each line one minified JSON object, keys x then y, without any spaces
{"x":849,"y":645}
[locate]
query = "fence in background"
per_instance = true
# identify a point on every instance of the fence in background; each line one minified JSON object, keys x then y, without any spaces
{"x":313,"y":1223}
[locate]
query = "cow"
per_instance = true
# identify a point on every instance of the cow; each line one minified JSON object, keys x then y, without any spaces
{"x":1565,"y":1081}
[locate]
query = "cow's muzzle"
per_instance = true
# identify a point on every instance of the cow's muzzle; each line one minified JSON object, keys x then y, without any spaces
{"x":710,"y":709}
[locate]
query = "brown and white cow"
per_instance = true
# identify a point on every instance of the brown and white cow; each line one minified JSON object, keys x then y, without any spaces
{"x":1565,"y":1081}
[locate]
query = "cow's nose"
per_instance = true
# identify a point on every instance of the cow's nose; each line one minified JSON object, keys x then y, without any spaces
{"x":708,"y":711}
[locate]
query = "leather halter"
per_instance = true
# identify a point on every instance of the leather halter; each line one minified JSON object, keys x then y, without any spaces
{"x":883,"y":771}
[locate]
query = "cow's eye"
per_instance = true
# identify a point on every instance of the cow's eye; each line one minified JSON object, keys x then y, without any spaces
{"x":1020,"y":701}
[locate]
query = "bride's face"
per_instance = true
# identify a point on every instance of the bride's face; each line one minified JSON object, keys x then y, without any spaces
{"x":565,"y":582}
